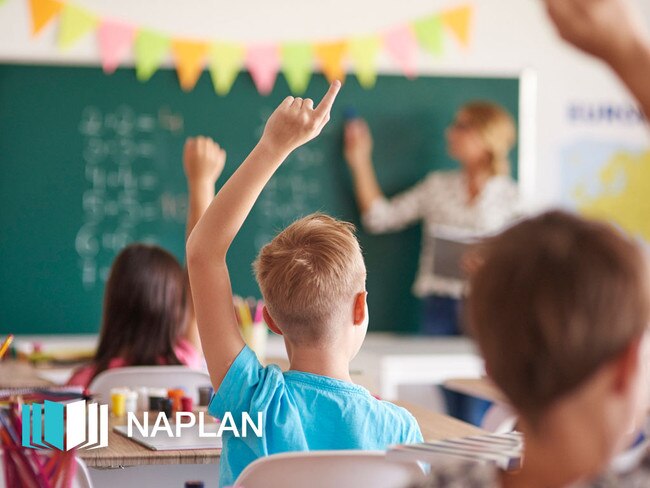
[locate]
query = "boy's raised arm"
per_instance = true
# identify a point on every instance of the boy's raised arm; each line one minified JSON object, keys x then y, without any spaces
{"x":292,"y":124}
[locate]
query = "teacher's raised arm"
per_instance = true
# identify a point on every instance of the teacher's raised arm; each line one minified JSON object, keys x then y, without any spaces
{"x":479,"y":197}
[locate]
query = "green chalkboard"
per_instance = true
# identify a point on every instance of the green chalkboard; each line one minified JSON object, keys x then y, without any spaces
{"x":91,"y":162}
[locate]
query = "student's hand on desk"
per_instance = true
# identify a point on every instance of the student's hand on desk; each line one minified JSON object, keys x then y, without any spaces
{"x":203,"y":160}
{"x":604,"y":28}
{"x":296,"y":121}
{"x":357,"y":142}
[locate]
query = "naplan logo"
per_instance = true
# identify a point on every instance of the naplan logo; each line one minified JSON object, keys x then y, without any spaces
{"x":65,"y":426}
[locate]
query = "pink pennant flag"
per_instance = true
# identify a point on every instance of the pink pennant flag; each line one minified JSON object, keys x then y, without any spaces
{"x":402,"y":46}
{"x":115,"y":40}
{"x":263,"y":63}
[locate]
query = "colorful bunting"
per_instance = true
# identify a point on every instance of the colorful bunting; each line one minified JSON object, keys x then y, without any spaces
{"x":150,"y":50}
{"x":363,"y":53}
{"x":458,"y":21}
{"x":190,"y":58}
{"x":401,"y":45}
{"x":75,"y":23}
{"x":331,"y":57}
{"x":263,"y":63}
{"x":297,"y":65}
{"x":115,"y":40}
{"x":226,"y":60}
{"x":429,"y":33}
{"x":42,"y":12}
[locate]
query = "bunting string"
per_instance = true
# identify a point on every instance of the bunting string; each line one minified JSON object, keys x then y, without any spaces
{"x":295,"y":60}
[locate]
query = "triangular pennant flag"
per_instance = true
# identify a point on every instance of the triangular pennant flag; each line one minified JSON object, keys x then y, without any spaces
{"x":363,"y":52}
{"x":190,"y":58}
{"x":429,"y":33}
{"x":226,"y":60}
{"x":75,"y":23}
{"x":401,"y":45}
{"x":297,"y":65}
{"x":458,"y":21}
{"x":150,"y":51}
{"x":263,"y":62}
{"x":115,"y":39}
{"x":331,"y":56}
{"x":42,"y":12}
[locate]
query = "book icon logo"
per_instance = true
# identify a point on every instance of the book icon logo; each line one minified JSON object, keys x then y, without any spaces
{"x":64,"y":426}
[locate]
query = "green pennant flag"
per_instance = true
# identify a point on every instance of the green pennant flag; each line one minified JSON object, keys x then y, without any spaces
{"x":150,"y":48}
{"x":75,"y":23}
{"x":363,"y":52}
{"x":297,"y":65}
{"x":225,"y":60}
{"x":429,"y":32}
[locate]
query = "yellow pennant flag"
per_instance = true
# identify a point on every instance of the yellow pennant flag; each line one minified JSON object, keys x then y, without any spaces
{"x":75,"y":23}
{"x":458,"y":21}
{"x":226,"y":60}
{"x":42,"y":12}
{"x":150,"y":51}
{"x":363,"y":52}
{"x":331,"y":56}
{"x":189,"y":57}
{"x":297,"y":65}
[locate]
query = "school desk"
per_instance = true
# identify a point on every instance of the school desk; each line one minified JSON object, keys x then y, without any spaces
{"x":385,"y":362}
{"x":477,"y":387}
{"x":167,"y":468}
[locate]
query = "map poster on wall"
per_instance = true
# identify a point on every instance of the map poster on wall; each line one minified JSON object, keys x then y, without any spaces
{"x":605,"y":165}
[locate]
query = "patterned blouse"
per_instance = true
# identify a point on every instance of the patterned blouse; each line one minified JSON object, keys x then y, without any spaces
{"x":440,"y":201}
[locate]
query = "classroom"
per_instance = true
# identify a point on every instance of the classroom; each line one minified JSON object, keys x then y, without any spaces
{"x":284,"y":244}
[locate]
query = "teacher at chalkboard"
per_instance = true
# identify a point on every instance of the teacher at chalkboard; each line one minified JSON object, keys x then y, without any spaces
{"x":478,"y":197}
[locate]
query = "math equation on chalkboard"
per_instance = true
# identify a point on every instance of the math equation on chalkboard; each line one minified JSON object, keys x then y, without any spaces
{"x":124,"y":198}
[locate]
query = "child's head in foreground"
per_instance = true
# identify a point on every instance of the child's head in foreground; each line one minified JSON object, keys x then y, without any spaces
{"x":559,"y":309}
{"x":312,"y":277}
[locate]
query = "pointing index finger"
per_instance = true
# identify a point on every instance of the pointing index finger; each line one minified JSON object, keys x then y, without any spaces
{"x":326,"y":103}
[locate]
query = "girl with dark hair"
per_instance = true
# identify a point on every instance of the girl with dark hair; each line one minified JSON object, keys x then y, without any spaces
{"x":148,"y":317}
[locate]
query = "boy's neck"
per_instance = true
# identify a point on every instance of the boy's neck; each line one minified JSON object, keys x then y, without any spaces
{"x":327,"y":361}
{"x":560,"y":454}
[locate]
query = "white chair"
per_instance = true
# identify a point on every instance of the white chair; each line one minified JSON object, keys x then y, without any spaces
{"x":324,"y":469}
{"x":499,"y":419}
{"x":81,"y":479}
{"x":151,"y":377}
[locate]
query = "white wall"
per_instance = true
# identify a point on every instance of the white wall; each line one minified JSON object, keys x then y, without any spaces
{"x":509,"y":35}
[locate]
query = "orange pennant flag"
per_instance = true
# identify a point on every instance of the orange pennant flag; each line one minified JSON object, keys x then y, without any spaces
{"x":331,"y":56}
{"x":42,"y":12}
{"x":190,"y":58}
{"x":458,"y":21}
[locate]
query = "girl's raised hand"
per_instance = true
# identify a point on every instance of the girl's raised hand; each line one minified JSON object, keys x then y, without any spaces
{"x":296,"y":121}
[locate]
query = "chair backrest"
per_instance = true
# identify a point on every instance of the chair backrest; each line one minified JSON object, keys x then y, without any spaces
{"x":499,"y":419}
{"x":81,"y":479}
{"x":316,"y":469}
{"x":150,"y":376}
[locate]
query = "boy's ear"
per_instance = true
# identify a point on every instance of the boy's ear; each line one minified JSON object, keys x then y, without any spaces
{"x":270,"y":322}
{"x":359,"y":312}
{"x":626,"y":366}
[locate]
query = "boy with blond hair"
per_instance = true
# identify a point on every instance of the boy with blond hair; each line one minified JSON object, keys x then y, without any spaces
{"x":312,"y":278}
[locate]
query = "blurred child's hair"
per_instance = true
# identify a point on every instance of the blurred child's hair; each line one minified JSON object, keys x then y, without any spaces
{"x":309,"y":274}
{"x":496,"y":129}
{"x":144,"y":308}
{"x":556,"y":297}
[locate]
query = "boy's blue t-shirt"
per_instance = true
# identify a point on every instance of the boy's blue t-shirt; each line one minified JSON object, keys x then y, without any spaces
{"x":301,"y":412}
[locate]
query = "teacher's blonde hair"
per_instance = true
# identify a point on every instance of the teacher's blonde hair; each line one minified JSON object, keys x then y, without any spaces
{"x":496,"y":127}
